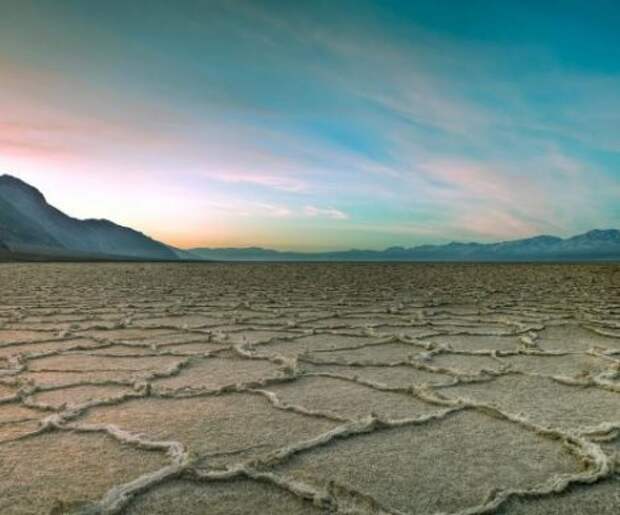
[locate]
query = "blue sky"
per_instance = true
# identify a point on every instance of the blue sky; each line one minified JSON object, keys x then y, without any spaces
{"x":317,"y":125}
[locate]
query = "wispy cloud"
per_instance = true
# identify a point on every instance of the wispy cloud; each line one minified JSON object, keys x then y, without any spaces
{"x":274,"y":210}
{"x":330,"y":212}
{"x":283,"y":183}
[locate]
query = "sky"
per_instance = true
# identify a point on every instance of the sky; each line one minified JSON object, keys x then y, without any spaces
{"x":315,"y":125}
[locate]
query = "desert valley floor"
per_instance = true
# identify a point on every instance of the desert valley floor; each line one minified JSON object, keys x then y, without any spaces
{"x":309,"y":388}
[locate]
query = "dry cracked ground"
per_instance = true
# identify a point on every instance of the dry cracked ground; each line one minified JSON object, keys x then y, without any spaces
{"x":309,"y":388}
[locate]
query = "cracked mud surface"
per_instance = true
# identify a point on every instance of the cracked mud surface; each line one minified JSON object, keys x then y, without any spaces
{"x":309,"y":388}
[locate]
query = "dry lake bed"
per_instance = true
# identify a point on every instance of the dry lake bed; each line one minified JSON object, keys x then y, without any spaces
{"x":309,"y":388}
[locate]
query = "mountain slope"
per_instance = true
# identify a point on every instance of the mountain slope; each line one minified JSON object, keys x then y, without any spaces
{"x":185,"y":255}
{"x":593,"y":245}
{"x":28,"y":224}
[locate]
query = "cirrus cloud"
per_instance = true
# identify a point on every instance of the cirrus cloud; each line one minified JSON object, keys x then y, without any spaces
{"x":329,"y":212}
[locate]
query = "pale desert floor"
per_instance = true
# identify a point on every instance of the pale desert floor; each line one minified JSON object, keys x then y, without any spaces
{"x":282,"y":389}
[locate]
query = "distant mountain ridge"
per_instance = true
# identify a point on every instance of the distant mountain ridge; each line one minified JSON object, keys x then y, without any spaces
{"x":593,"y":245}
{"x":30,"y":226}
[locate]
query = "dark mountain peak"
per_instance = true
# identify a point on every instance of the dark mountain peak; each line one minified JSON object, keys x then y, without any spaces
{"x":536,"y":241}
{"x":462,"y":244}
{"x":599,"y":235}
{"x":544,"y":238}
{"x":6,"y":178}
{"x":17,"y":185}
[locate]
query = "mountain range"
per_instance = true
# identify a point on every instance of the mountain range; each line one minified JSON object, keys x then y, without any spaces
{"x":31,"y":229}
{"x":592,"y":246}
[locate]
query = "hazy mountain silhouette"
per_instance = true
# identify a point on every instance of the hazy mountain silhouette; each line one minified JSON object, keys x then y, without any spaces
{"x":30,"y":226}
{"x":593,"y":245}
